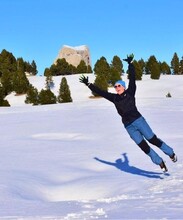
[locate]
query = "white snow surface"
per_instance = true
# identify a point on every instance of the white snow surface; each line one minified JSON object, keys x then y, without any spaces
{"x":76,"y":160}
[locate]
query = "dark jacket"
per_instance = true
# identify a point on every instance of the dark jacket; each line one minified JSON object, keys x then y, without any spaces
{"x":124,"y":103}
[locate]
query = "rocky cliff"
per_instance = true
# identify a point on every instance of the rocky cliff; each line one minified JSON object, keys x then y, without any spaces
{"x":74,"y":55}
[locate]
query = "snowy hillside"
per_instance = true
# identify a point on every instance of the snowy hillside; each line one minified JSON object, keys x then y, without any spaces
{"x":76,"y":161}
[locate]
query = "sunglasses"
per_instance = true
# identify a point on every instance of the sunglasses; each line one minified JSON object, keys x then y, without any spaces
{"x":117,"y":86}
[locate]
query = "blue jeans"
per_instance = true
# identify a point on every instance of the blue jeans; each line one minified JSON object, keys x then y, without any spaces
{"x":139,"y":130}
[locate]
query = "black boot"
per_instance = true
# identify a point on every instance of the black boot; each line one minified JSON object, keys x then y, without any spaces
{"x":163,"y":167}
{"x":173,"y":158}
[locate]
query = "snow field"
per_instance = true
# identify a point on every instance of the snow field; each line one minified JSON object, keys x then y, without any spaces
{"x":76,"y":161}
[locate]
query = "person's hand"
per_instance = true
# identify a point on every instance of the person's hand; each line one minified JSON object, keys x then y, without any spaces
{"x":84,"y":80}
{"x":129,"y":58}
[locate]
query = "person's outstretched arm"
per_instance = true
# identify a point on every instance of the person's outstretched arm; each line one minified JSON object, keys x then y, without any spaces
{"x":107,"y":95}
{"x":132,"y":84}
{"x":131,"y":71}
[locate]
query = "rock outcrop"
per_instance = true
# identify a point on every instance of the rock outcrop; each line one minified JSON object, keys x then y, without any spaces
{"x":74,"y":55}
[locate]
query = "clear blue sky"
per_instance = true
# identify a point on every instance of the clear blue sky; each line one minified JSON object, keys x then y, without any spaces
{"x":37,"y":29}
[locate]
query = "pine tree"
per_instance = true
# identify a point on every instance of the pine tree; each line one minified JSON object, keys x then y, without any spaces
{"x":28,"y":67}
{"x":82,"y":68}
{"x":32,"y":95}
{"x":47,"y":71}
{"x":117,"y":65}
{"x":175,"y":64}
{"x":155,"y":72}
{"x":153,"y":67}
{"x":71,"y":69}
{"x":64,"y":92}
{"x":49,"y":79}
{"x":53,"y":70}
{"x":102,"y":69}
{"x":61,"y":67}
{"x":164,"y":68}
{"x":46,"y":97}
{"x":114,"y":75}
{"x":142,"y":64}
{"x":6,"y":81}
{"x":3,"y":102}
{"x":8,"y":62}
{"x":34,"y":68}
{"x":138,"y":70}
{"x":147,"y":71}
{"x":20,"y":81}
{"x":89,"y":69}
{"x":8,"y":67}
{"x":181,"y":66}
{"x":100,"y":81}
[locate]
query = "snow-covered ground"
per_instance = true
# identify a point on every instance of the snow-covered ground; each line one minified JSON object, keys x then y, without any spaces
{"x":76,"y":161}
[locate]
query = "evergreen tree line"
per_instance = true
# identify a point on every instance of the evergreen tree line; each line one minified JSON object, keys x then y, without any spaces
{"x":62,"y":67}
{"x":13,"y":79}
{"x":13,"y":75}
{"x":152,"y":67}
{"x":46,"y":96}
{"x":107,"y":74}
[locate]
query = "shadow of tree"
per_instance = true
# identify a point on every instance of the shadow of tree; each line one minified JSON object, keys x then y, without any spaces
{"x":123,"y":165}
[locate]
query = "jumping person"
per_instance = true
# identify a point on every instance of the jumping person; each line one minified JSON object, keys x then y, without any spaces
{"x":133,"y":121}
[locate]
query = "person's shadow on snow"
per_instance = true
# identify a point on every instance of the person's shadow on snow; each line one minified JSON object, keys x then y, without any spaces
{"x":124,"y":166}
